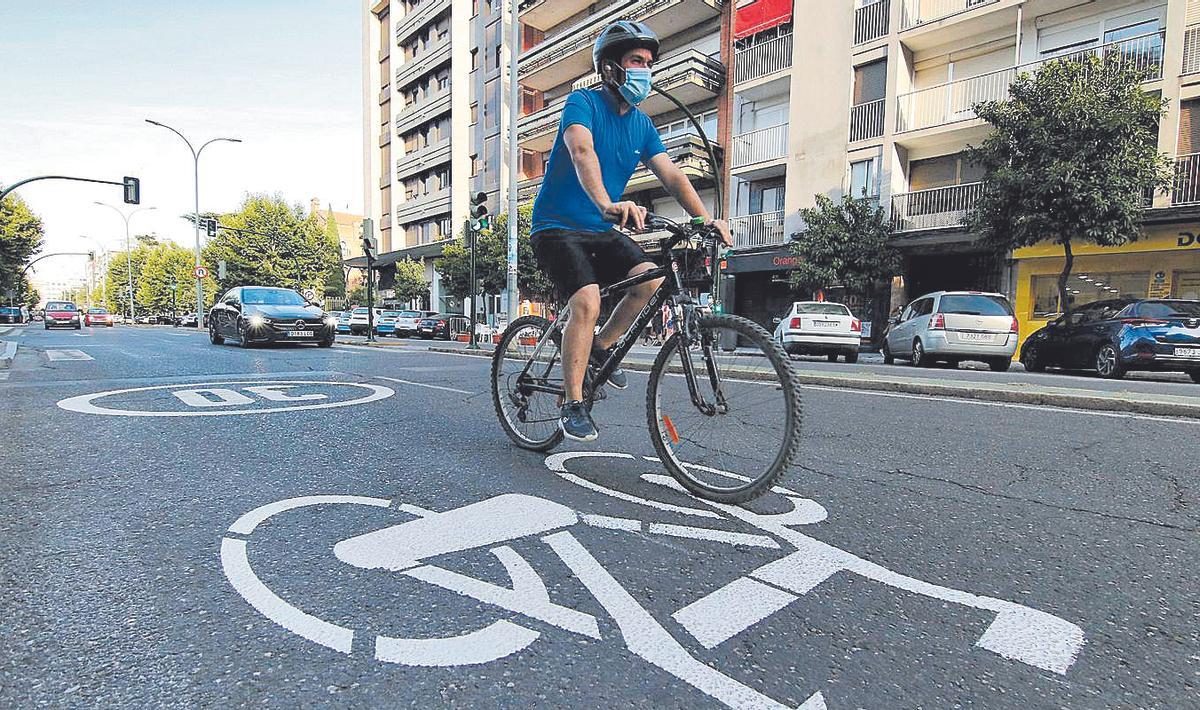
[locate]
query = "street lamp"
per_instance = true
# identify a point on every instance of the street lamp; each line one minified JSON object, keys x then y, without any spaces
{"x":128,"y":249}
{"x":104,"y":261}
{"x":196,"y":175}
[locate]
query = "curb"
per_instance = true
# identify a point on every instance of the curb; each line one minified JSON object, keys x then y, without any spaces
{"x":1155,"y":405}
{"x":7,"y":353}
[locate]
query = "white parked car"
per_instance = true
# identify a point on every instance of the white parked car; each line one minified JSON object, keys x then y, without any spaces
{"x":408,"y":321}
{"x":358,"y":320}
{"x":953,"y":326}
{"x":820,"y":328}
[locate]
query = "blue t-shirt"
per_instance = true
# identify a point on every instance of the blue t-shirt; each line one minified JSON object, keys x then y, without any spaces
{"x":621,"y":142}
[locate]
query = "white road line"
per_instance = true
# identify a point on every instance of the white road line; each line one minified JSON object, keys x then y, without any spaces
{"x":732,"y":538}
{"x":3,"y":376}
{"x":730,"y":610}
{"x":67,"y":355}
{"x":422,"y":384}
{"x":10,"y":350}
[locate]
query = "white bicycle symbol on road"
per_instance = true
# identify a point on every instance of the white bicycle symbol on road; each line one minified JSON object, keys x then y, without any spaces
{"x":1017,"y":632}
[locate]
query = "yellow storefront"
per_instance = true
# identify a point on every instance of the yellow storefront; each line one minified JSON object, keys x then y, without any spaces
{"x":1164,"y":263}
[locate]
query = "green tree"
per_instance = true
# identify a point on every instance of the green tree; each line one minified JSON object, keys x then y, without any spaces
{"x":410,"y":280}
{"x":21,"y":234}
{"x":844,"y":244}
{"x":1071,"y":158}
{"x":279,"y":247}
{"x":29,"y":296}
{"x":357,"y":296}
{"x":491,"y":261}
{"x":335,"y":278}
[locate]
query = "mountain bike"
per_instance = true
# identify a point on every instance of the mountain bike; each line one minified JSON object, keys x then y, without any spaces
{"x":722,"y":394}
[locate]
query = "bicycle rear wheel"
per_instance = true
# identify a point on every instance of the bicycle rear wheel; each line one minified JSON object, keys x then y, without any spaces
{"x":735,"y":452}
{"x":527,"y":414}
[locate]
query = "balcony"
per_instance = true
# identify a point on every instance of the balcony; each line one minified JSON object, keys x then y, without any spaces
{"x":544,"y":14}
{"x":420,"y":16}
{"x":914,"y":13}
{"x":1185,"y":189}
{"x":872,"y":21}
{"x":423,"y":158}
{"x":954,"y":101}
{"x":385,"y":94}
{"x":773,"y":57}
{"x":757,"y":230}
{"x":568,"y":54}
{"x":687,"y":152}
{"x":866,"y":120}
{"x":385,"y":137}
{"x":385,"y":179}
{"x":423,"y":207}
{"x":536,"y":131}
{"x":760,"y":148}
{"x":429,"y":60}
{"x":527,"y":189}
{"x":935,"y":208}
{"x":410,"y":117}
{"x":690,"y":75}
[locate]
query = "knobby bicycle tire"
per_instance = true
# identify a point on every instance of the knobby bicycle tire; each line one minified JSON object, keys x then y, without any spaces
{"x":789,"y":390}
{"x":500,"y":389}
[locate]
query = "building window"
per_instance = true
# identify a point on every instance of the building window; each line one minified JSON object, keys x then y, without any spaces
{"x":684,"y":126}
{"x":474,"y":114}
{"x":491,"y":104}
{"x":864,"y":180}
{"x":474,"y":59}
{"x":870,"y":82}
{"x":1085,"y":288}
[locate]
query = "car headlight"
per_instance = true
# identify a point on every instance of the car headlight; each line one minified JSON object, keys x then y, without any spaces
{"x":330,"y":320}
{"x":257,"y":321}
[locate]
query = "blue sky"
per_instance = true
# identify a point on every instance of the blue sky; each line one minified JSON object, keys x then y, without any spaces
{"x":79,"y":78}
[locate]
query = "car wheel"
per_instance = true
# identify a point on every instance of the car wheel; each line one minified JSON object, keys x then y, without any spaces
{"x":919,"y":357}
{"x":78,"y":326}
{"x":1000,"y":364}
{"x":1108,"y":362}
{"x":326,"y":343}
{"x":1195,"y":375}
{"x":213,"y":337}
{"x":1032,"y":360}
{"x":851,"y":358}
{"x":831,"y":357}
{"x":888,"y":358}
{"x":243,"y":340}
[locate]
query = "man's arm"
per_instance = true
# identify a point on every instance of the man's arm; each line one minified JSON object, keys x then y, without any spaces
{"x":587,"y":167}
{"x":684,"y":193}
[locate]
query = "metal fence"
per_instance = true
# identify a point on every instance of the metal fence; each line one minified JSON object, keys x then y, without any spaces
{"x":920,"y":12}
{"x":757,"y":230}
{"x":759,"y":146}
{"x":871,"y":21}
{"x":1185,"y":188}
{"x":866,"y":120}
{"x":755,"y":62}
{"x":934,"y":208}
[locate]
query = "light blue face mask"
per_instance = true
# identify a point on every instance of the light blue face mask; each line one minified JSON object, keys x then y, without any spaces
{"x":637,"y":85}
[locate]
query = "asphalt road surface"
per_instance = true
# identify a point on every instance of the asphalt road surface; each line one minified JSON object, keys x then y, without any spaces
{"x":183,"y":524}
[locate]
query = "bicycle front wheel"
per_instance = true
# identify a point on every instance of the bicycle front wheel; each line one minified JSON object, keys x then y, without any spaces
{"x":732,"y":438}
{"x":522,"y":377}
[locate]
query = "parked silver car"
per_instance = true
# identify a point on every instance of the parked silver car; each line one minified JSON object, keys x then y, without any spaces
{"x":953,"y":326}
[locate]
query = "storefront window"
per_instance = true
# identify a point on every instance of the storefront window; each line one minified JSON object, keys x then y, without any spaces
{"x":1186,"y":285}
{"x":1084,"y":288}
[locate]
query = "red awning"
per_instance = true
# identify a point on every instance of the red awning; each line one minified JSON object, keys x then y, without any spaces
{"x":760,"y":15}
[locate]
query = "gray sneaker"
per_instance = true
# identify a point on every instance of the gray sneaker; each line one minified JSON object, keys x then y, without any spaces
{"x":576,"y":422}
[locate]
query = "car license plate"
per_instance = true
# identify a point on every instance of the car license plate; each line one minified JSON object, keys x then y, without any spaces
{"x":976,"y":337}
{"x":300,"y":334}
{"x":825,"y":324}
{"x":1190,"y":353}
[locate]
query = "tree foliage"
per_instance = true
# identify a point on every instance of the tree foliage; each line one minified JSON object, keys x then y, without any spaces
{"x":491,"y":261}
{"x":21,"y":234}
{"x":280,"y":247}
{"x":335,"y":278}
{"x":844,"y":244}
{"x":1072,"y":155}
{"x":410,"y":280}
{"x":153,"y":266}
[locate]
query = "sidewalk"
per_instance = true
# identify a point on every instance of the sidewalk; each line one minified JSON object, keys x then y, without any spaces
{"x":1156,"y":404}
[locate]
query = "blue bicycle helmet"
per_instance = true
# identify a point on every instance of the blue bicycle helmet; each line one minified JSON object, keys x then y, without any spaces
{"x":620,"y":37}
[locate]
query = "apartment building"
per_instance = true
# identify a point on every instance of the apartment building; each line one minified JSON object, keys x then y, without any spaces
{"x":557,"y":37}
{"x":879,"y":103}
{"x":417,"y":57}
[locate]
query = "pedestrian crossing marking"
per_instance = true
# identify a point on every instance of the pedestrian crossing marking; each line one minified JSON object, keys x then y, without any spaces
{"x":67,"y":355}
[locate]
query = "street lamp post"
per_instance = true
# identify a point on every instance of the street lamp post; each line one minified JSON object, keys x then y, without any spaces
{"x":128,"y":249}
{"x":196,"y":221}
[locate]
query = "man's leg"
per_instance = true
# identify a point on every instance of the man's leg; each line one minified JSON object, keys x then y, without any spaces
{"x":577,"y":338}
{"x":627,"y":309}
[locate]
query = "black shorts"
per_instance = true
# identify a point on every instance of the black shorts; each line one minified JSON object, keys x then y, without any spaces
{"x":577,"y":259}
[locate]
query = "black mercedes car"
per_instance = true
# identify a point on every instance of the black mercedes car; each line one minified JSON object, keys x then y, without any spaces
{"x":266,"y":314}
{"x":1115,"y":336}
{"x":435,"y":326}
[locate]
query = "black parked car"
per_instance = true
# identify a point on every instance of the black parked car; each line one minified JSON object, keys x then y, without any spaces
{"x":265,"y":314}
{"x":1116,"y":336}
{"x":435,"y":326}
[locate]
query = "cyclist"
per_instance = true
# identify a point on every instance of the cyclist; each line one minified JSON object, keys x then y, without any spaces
{"x":601,"y":138}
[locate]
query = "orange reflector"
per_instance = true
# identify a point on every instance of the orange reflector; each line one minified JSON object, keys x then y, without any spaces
{"x":671,"y":429}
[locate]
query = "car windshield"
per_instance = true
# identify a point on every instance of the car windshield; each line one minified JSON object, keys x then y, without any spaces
{"x":272,"y":297}
{"x":1169,"y":309}
{"x":391,"y":314}
{"x":60,"y":306}
{"x":411,"y":314}
{"x":975,"y":305}
{"x":360,"y":311}
{"x":823,"y":309}
{"x":99,"y":311}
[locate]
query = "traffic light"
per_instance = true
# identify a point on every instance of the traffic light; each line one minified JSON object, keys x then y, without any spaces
{"x":133,"y":190}
{"x":211,"y":226}
{"x":479,"y":212}
{"x":369,"y":246}
{"x":91,"y":256}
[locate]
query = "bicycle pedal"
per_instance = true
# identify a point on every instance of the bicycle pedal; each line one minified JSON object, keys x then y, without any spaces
{"x":599,"y":395}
